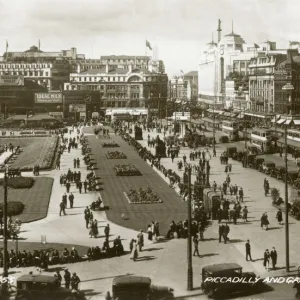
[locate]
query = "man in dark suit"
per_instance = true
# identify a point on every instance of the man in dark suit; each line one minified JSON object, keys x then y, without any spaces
{"x":226,"y":231}
{"x":221,"y":231}
{"x":248,"y":250}
{"x":273,"y":255}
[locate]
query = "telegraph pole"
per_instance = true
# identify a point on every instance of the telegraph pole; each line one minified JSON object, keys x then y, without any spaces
{"x":189,"y":246}
{"x":287,"y":248}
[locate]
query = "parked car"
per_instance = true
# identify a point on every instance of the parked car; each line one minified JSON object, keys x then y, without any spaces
{"x":228,"y":271}
{"x":138,"y":287}
{"x":278,"y":172}
{"x":224,"y":139}
{"x":258,"y":162}
{"x":267,"y":166}
{"x":36,"y":287}
{"x":231,"y":151}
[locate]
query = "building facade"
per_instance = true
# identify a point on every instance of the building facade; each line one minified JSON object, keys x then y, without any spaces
{"x":122,"y":88}
{"x":192,"y":84}
{"x":218,"y":60}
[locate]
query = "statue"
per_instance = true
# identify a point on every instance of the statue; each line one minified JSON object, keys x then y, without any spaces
{"x":160,"y":148}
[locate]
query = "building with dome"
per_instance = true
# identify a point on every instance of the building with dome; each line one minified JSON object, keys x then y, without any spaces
{"x":219,"y":60}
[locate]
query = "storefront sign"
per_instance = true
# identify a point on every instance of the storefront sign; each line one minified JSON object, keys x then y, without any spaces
{"x":11,"y":80}
{"x":56,"y":114}
{"x":77,"y":108}
{"x":52,"y":97}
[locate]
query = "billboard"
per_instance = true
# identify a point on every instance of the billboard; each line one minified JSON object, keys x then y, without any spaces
{"x":11,"y":80}
{"x":52,"y":97}
{"x":77,"y":108}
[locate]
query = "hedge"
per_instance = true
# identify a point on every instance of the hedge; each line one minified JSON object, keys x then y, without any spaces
{"x":19,"y":182}
{"x":13,"y":208}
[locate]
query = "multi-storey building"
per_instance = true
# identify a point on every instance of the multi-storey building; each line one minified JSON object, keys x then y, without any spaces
{"x":49,"y":69}
{"x":192,"y":84}
{"x":178,"y":89}
{"x":218,"y":60}
{"x":122,"y":88}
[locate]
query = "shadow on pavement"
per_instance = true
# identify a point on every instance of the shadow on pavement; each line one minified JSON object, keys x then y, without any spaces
{"x":236,"y":241}
{"x":153,"y":249}
{"x":274,"y":228}
{"x":54,"y":269}
{"x":208,"y":254}
{"x":90,"y":292}
{"x":147,"y":257}
{"x":101,"y":278}
{"x":210,"y":239}
{"x":193,"y":296}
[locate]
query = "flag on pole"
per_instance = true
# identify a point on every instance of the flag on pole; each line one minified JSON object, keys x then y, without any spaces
{"x":39,"y":44}
{"x":181,"y":71}
{"x":148,"y":45}
{"x":6,"y":45}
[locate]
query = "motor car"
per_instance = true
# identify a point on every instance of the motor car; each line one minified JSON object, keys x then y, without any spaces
{"x":37,"y":287}
{"x":258,"y":162}
{"x":267,"y":166}
{"x":278,"y":172}
{"x":137,"y":288}
{"x":231,"y":151}
{"x":250,"y":160}
{"x":228,"y":271}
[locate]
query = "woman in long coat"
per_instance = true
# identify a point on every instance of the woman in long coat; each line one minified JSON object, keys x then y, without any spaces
{"x":134,"y":252}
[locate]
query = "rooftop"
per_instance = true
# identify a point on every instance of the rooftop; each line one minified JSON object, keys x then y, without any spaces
{"x":191,"y":73}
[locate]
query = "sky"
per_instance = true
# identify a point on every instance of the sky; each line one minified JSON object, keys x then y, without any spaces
{"x":177,"y":29}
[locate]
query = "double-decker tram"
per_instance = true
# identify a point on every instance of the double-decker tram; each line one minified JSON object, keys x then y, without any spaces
{"x":231,"y":129}
{"x":294,"y":135}
{"x":263,"y":140}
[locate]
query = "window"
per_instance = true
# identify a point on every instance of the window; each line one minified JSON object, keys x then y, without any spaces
{"x":46,"y":74}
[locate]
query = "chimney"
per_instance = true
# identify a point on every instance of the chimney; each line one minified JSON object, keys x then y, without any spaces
{"x":74,"y":53}
{"x":130,"y":68}
{"x":78,"y":68}
{"x":219,"y":30}
{"x":106,"y":68}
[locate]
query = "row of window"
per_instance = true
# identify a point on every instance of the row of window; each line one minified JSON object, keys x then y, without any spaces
{"x":27,"y":73}
{"x":24,"y":66}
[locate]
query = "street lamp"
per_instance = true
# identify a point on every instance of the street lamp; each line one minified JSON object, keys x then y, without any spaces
{"x":189,"y":246}
{"x":286,"y":87}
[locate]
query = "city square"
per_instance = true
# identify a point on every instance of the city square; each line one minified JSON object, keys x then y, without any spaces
{"x":123,"y":176}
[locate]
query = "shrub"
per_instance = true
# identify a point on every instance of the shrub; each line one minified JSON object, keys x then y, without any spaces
{"x":13,"y":208}
{"x":274,"y":194}
{"x":19,"y":182}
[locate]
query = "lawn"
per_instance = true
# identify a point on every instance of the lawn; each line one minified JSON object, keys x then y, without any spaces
{"x":35,"y":199}
{"x":36,"y":150}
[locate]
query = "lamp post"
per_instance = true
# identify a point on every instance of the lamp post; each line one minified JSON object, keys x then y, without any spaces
{"x":207,"y":159}
{"x":286,"y":87}
{"x":5,"y":235}
{"x":189,"y":246}
{"x":214,"y":130}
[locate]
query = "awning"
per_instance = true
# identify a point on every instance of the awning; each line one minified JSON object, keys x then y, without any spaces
{"x":281,"y":121}
{"x":254,"y":115}
{"x":287,"y":122}
{"x":296,"y":122}
{"x":210,"y":120}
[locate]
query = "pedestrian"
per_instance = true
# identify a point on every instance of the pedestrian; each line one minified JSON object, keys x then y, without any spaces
{"x":106,"y":231}
{"x":71,"y":200}
{"x":75,"y":282}
{"x":241,"y":195}
{"x":85,"y":184}
{"x":87,"y":217}
{"x":59,"y":278}
{"x":78,"y":163}
{"x":266,"y":259}
{"x":245,"y":214}
{"x":273,"y":256}
{"x":140,"y":240}
{"x":65,"y":199}
{"x":279,"y":217}
{"x":196,"y":242}
{"x":134,"y":251}
{"x":226,"y":232}
{"x":74,"y":163}
{"x":221,"y":231}
{"x":68,"y":185}
{"x":80,"y":186}
{"x":67,"y":277}
{"x":248,"y":250}
{"x":62,"y":208}
{"x":150,"y":233}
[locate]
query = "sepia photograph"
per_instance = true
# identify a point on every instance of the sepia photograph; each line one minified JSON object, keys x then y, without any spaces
{"x":149,"y":149}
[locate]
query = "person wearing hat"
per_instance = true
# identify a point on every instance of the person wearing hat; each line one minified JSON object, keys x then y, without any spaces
{"x":59,"y":278}
{"x":75,"y":281}
{"x":67,"y":278}
{"x":266,"y":259}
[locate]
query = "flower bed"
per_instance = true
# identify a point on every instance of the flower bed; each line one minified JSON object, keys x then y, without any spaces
{"x":142,"y":196}
{"x":110,"y":144}
{"x":14,"y":208}
{"x":127,"y":170}
{"x":115,"y":155}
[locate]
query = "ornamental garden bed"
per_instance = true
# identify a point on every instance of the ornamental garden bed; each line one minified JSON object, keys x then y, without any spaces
{"x":36,"y":150}
{"x":115,"y":155}
{"x":127,"y":170}
{"x":142,"y":196}
{"x":14,"y":208}
{"x":110,"y":144}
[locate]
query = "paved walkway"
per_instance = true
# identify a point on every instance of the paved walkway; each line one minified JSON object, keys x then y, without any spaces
{"x":4,"y":156}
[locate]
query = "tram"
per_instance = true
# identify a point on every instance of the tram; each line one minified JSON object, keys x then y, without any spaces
{"x":293,"y":135}
{"x":263,"y":140}
{"x":231,"y":129}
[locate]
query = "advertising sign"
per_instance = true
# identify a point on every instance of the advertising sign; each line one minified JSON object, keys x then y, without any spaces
{"x":77,"y":108}
{"x":11,"y":80}
{"x":52,"y":97}
{"x":56,"y":114}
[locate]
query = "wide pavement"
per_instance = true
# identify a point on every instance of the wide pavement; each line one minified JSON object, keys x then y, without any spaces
{"x":165,"y":262}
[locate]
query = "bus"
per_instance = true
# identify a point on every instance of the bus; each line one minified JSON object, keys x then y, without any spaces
{"x":262,"y":139}
{"x":293,"y":135}
{"x":231,"y":129}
